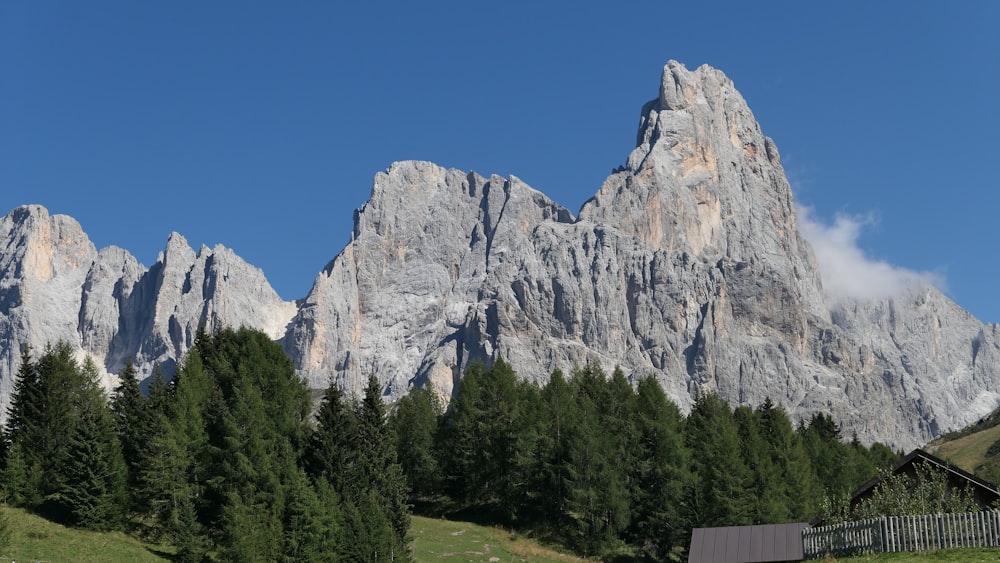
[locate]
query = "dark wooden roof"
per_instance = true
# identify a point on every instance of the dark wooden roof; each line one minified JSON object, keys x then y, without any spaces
{"x":747,"y":544}
{"x":920,"y":455}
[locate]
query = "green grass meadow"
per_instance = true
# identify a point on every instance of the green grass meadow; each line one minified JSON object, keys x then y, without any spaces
{"x":444,"y":540}
{"x":36,"y":539}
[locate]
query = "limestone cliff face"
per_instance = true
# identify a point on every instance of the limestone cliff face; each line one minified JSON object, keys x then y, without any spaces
{"x":54,"y":285}
{"x":687,"y":266}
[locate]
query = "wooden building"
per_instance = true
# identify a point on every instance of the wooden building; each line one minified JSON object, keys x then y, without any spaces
{"x":983,"y":492}
{"x":747,"y":544}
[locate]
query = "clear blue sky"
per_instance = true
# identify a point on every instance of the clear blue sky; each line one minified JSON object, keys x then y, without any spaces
{"x":260,"y":125}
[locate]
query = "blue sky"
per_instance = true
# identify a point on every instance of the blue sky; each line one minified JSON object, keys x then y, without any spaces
{"x":260,"y":125}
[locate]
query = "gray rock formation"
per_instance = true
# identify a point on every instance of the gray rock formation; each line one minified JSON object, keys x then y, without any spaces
{"x":54,"y":285}
{"x":686,"y":266}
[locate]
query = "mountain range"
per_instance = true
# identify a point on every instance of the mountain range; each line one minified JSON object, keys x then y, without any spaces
{"x":688,"y":265}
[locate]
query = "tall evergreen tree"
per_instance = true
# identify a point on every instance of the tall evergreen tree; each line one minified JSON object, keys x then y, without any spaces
{"x":415,"y":424}
{"x":89,"y":476}
{"x":719,"y":494}
{"x":246,"y":478}
{"x":331,"y":448}
{"x":798,"y":486}
{"x":368,"y":533}
{"x":134,"y":426}
{"x":381,"y":469}
{"x":560,"y":419}
{"x":597,"y":494}
{"x":25,"y":401}
{"x":489,"y":434}
{"x":91,"y":487}
{"x":769,"y":502}
{"x":311,"y":521}
{"x":662,"y":473}
{"x":22,"y":473}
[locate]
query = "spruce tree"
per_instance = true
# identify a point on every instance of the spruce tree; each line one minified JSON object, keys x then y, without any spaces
{"x":46,"y":411}
{"x":91,"y":487}
{"x":185,"y":531}
{"x":311,"y":521}
{"x":380,"y":469}
{"x":367,"y":532}
{"x":88,"y":487}
{"x":597,"y":493}
{"x":22,"y":473}
{"x":25,"y":402}
{"x":134,"y":426}
{"x":173,"y":472}
{"x":489,"y":433}
{"x":21,"y":486}
{"x":796,"y":478}
{"x":769,"y":504}
{"x":246,"y":478}
{"x":331,"y":448}
{"x":554,"y":470}
{"x":720,"y":494}
{"x":661,"y":474}
{"x":415,"y":424}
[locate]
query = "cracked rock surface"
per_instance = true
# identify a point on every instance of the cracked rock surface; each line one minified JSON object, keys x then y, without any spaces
{"x":687,"y":266}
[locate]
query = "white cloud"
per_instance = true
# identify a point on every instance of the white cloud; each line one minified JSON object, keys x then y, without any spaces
{"x":846,"y":271}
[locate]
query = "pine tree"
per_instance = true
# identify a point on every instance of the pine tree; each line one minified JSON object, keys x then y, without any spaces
{"x":185,"y":531}
{"x":554,"y":472}
{"x":246,"y":478}
{"x":44,"y":413}
{"x":414,"y":422}
{"x":719,"y":495}
{"x":311,"y":521}
{"x":134,"y":425}
{"x":490,"y":435}
{"x":377,"y":456}
{"x":331,"y":449}
{"x":796,"y":478}
{"x":22,"y":474}
{"x":597,"y":493}
{"x":769,"y":504}
{"x":171,"y":473}
{"x":661,"y":473}
{"x":91,"y":486}
{"x":25,"y":402}
{"x":367,"y":532}
{"x":166,"y":488}
{"x":21,"y":486}
{"x":89,"y":476}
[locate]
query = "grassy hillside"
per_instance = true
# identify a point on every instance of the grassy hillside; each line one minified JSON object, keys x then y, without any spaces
{"x":437,"y":540}
{"x":944,"y":555}
{"x":35,"y":539}
{"x":975,"y":449}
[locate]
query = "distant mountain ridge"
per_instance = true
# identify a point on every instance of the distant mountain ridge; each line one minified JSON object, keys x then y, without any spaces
{"x":687,"y":266}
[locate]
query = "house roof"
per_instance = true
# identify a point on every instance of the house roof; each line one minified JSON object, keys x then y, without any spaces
{"x":747,"y":544}
{"x":920,"y":455}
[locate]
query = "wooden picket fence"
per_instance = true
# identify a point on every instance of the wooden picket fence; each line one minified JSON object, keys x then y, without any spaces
{"x":903,"y":533}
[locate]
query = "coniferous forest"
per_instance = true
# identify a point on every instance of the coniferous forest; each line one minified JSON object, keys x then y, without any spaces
{"x":230,"y":461}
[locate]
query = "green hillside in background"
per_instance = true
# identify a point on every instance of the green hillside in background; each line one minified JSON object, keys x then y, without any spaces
{"x":34,"y":538}
{"x":975,"y":448}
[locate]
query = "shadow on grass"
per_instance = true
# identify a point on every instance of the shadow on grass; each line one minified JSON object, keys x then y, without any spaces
{"x":160,"y":552}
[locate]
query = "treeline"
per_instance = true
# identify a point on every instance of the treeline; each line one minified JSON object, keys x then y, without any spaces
{"x":228,"y":462}
{"x":223,"y":462}
{"x":604,"y":467}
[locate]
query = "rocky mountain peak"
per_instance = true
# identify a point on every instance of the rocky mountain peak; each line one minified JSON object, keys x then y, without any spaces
{"x":687,"y":266}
